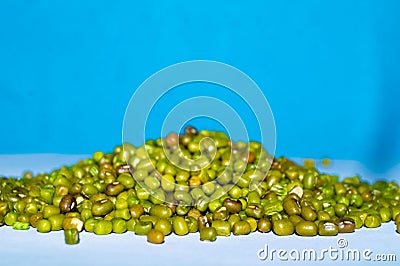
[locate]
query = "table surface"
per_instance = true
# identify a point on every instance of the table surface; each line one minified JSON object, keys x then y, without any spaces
{"x":30,"y":247}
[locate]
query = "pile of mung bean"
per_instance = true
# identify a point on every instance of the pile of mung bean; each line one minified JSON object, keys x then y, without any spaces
{"x":182,"y":184}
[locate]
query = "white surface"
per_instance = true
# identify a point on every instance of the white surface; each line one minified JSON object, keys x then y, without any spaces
{"x":32,"y":248}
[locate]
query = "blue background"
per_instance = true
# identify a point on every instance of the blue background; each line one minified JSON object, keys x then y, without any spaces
{"x":330,"y":71}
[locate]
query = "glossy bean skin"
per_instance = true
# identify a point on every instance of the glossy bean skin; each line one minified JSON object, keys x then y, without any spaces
{"x":241,"y":228}
{"x":295,"y":219}
{"x":291,"y":207}
{"x":283,"y":227}
{"x":232,"y":206}
{"x":223,"y":228}
{"x":254,"y":211}
{"x":102,"y":207}
{"x":50,"y":210}
{"x":208,"y":234}
{"x":43,"y":226}
{"x":71,"y":236}
{"x":345,"y":225}
{"x":264,"y":225}
{"x":155,"y":236}
{"x":56,"y":221}
{"x":103,"y":227}
{"x":164,"y":226}
{"x":143,"y":228}
{"x":328,"y":228}
{"x":180,"y":226}
{"x":119,"y":225}
{"x":373,"y":221}
{"x":67,"y":204}
{"x":308,"y":213}
{"x":306,"y":228}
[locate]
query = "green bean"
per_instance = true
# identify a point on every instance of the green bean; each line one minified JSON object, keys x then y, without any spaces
{"x":130,"y":225}
{"x":220,"y":213}
{"x":136,"y":210}
{"x":72,"y":223}
{"x":102,"y":207}
{"x":356,"y":200}
{"x":182,"y":210}
{"x":309,"y":181}
{"x":306,"y":228}
{"x":273,"y":206}
{"x":323,"y":216}
{"x":121,"y":203}
{"x":43,"y":226}
{"x":385,"y":214}
{"x":164,"y":226}
{"x":23,"y":218}
{"x":114,"y":189}
{"x":35,"y":218}
{"x":47,"y":194}
{"x":19,"y":206}
{"x":214,"y":205}
{"x":223,"y":228}
{"x":71,"y":236}
{"x":233,"y":218}
{"x":235,"y":192}
{"x":358,"y":223}
{"x":328,"y":228}
{"x":253,"y":197}
{"x":126,"y":180}
{"x":3,"y":208}
{"x":103,"y":227}
{"x":373,"y":221}
{"x":155,"y":236}
{"x":331,"y":211}
{"x":241,"y":228}
{"x":308,"y":213}
{"x":89,"y":224}
{"x":283,"y":227}
{"x":56,"y":221}
{"x":264,"y":225}
{"x":340,"y":209}
{"x":254,"y":211}
{"x":31,"y":208}
{"x":395,"y":211}
{"x":252,"y":222}
{"x":341,"y":199}
{"x":291,"y":207}
{"x":180,"y":226}
{"x":208,"y":234}
{"x":295,"y":219}
{"x":119,"y":225}
{"x":50,"y":210}
{"x":123,"y":213}
{"x":21,"y":226}
{"x":161,"y":211}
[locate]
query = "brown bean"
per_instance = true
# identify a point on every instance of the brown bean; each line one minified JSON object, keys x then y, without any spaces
{"x":67,"y":204}
{"x":124,"y":168}
{"x":114,"y":189}
{"x":346,"y":225}
{"x":190,"y":131}
{"x":232,"y":206}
